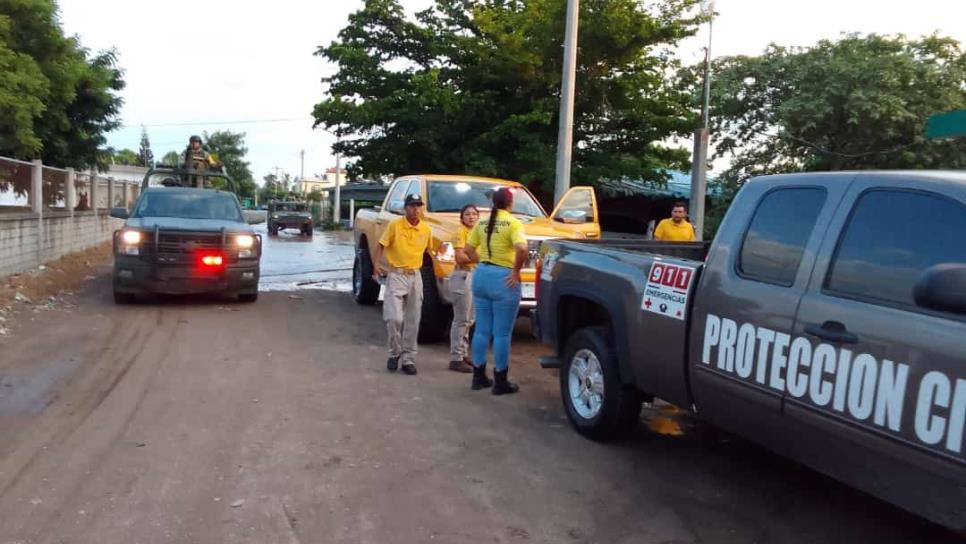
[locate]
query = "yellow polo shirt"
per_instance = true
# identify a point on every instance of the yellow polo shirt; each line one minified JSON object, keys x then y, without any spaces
{"x":669,"y":231}
{"x":405,"y":244}
{"x":507,"y":232}
{"x":459,"y":241}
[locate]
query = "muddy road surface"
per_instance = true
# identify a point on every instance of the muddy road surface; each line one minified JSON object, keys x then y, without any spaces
{"x":196,"y":421}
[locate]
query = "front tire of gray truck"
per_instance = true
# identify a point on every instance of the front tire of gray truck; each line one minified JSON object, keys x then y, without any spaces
{"x":365,"y":290}
{"x":597,"y":404}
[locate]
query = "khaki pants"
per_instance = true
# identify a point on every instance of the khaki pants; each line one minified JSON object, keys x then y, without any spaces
{"x":460,"y":287}
{"x":401,"y":309}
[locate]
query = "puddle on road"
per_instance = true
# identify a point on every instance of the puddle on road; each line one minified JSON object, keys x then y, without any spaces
{"x":292,"y":262}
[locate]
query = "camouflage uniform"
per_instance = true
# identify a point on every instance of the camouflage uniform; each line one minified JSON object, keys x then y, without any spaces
{"x":198,"y":160}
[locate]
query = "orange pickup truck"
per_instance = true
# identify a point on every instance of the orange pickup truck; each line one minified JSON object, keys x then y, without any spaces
{"x":576,"y":217}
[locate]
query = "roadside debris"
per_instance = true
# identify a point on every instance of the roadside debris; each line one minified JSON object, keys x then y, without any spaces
{"x":238,"y":503}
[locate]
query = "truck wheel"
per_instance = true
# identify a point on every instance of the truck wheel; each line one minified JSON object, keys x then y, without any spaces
{"x":364,"y":289}
{"x":308,"y":231}
{"x":436,"y":317}
{"x":123,"y":298}
{"x":596,"y":402}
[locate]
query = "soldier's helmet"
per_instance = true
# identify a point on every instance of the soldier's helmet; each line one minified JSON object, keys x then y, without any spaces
{"x":194,"y":139}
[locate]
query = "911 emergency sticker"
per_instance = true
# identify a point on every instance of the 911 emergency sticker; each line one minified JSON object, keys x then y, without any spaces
{"x":666,"y":290}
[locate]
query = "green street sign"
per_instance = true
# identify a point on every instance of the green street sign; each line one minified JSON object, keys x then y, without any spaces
{"x":951,"y":124}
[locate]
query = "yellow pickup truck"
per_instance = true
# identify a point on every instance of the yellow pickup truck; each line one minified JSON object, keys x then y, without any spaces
{"x":576,"y":216}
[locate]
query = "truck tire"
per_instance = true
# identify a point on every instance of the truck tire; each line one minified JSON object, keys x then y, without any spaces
{"x":123,"y":298}
{"x":365,"y":290}
{"x":597,"y":403}
{"x":436,"y":317}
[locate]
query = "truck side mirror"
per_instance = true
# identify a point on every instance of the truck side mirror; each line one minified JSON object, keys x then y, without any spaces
{"x":943,"y":287}
{"x":120,"y":213}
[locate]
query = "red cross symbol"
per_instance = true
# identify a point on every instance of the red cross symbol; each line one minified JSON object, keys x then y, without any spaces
{"x":647,"y":304}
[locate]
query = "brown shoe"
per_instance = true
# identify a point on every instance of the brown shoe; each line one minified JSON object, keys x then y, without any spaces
{"x":460,"y":366}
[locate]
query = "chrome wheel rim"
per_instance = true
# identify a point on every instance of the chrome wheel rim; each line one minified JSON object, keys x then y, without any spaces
{"x":586,"y":384}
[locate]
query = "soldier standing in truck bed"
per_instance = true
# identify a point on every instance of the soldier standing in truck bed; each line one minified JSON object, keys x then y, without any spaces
{"x":196,"y":158}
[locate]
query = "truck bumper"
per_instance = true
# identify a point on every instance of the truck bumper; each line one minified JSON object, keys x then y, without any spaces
{"x":134,"y":276}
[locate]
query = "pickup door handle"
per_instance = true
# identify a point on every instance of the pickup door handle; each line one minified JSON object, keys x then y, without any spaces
{"x":832,"y":331}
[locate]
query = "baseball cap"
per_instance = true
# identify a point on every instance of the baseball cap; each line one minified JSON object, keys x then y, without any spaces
{"x":414,"y":200}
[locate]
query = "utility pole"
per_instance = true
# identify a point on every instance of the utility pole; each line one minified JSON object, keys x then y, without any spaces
{"x":699,"y":164}
{"x":338,"y":182}
{"x":565,"y":137}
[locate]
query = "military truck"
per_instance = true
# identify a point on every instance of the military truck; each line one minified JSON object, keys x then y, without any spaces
{"x":181,"y":238}
{"x":823,"y":322}
{"x":289,"y":215}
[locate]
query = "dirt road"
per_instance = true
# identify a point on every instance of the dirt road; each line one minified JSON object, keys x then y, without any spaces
{"x":187,"y":421}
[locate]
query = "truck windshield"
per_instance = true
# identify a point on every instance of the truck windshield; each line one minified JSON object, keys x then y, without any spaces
{"x":448,"y":196}
{"x":290,"y":207}
{"x":188,"y":204}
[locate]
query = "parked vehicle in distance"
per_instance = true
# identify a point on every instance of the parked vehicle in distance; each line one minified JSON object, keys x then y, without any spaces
{"x":289,"y":215}
{"x":184,"y":240}
{"x":575,"y":217}
{"x":827,"y":322}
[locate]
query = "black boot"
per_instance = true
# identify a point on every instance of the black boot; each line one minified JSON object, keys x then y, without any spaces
{"x":480,"y":381}
{"x":503,"y":385}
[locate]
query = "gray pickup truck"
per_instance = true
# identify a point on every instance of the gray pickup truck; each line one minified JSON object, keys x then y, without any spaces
{"x":827,"y":322}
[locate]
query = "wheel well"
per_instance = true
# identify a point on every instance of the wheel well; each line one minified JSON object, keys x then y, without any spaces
{"x":364,"y":242}
{"x":575,"y":313}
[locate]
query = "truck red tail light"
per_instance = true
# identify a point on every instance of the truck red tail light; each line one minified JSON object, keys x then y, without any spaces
{"x":538,"y":268}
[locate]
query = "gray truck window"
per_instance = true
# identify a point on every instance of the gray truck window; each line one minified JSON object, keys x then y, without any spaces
{"x":776,"y":239}
{"x":885,"y":248}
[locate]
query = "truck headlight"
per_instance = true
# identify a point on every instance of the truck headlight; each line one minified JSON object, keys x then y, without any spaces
{"x":131,"y":237}
{"x":446,"y":253}
{"x":244,"y":241}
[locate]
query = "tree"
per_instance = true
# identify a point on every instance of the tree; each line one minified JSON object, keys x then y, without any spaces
{"x":57,"y":99}
{"x":145,"y":155}
{"x":275,"y":187}
{"x":473,"y":86}
{"x":171,"y":158}
{"x":126,"y":157}
{"x":229,"y":148}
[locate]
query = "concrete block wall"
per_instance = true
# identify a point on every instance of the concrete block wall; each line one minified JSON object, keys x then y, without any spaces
{"x":26,"y":243}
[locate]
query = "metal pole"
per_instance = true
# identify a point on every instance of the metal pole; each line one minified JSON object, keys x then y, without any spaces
{"x":70,"y":191}
{"x":352,"y":212}
{"x":565,"y":138}
{"x":699,"y":163}
{"x":302,"y":173}
{"x":37,"y":187}
{"x":338,"y":181}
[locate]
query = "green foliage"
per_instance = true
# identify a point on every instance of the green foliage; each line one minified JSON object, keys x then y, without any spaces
{"x":276,"y":188}
{"x":171,"y":158}
{"x":315,"y":195}
{"x":57,"y":100}
{"x":229,"y":147}
{"x":126,"y":157}
{"x":145,"y":155}
{"x":861,"y":102}
{"x":472,"y":86}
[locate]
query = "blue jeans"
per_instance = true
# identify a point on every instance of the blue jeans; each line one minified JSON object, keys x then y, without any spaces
{"x":497,"y":307}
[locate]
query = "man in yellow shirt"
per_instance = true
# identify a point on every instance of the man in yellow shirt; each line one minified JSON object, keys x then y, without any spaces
{"x":675,"y":229}
{"x":404,"y":243}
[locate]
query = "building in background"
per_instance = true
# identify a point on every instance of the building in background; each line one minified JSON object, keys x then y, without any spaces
{"x":326,"y":182}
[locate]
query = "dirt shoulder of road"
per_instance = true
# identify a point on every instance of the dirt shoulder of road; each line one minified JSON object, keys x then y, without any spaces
{"x":49,"y":284}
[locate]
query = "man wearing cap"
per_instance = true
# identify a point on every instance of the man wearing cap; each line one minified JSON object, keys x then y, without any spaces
{"x":404,"y":243}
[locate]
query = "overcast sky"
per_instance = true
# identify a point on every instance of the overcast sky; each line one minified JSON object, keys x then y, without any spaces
{"x":225,"y":64}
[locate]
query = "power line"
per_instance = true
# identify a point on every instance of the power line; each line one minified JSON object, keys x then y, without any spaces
{"x":205,"y":123}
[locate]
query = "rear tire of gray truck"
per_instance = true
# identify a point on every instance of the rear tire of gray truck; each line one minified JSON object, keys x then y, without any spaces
{"x":597,"y":404}
{"x":436,"y":317}
{"x":365,"y":290}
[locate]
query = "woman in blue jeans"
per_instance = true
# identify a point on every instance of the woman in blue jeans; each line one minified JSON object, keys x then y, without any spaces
{"x":500,"y":246}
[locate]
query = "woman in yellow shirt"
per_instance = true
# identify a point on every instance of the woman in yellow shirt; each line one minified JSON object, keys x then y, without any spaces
{"x":459,"y":287}
{"x":500,"y":247}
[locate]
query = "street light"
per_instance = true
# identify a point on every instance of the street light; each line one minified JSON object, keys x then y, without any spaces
{"x":699,"y":164}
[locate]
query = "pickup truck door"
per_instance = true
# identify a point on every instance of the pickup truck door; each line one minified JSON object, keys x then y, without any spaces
{"x":578,"y":208}
{"x":878,"y":398}
{"x":747,"y":298}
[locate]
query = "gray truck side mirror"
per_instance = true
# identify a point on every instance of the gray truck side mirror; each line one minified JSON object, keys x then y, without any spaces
{"x":943,"y":287}
{"x":120,"y":213}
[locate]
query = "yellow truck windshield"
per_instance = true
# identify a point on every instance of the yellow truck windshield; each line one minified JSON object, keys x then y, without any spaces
{"x":448,"y":196}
